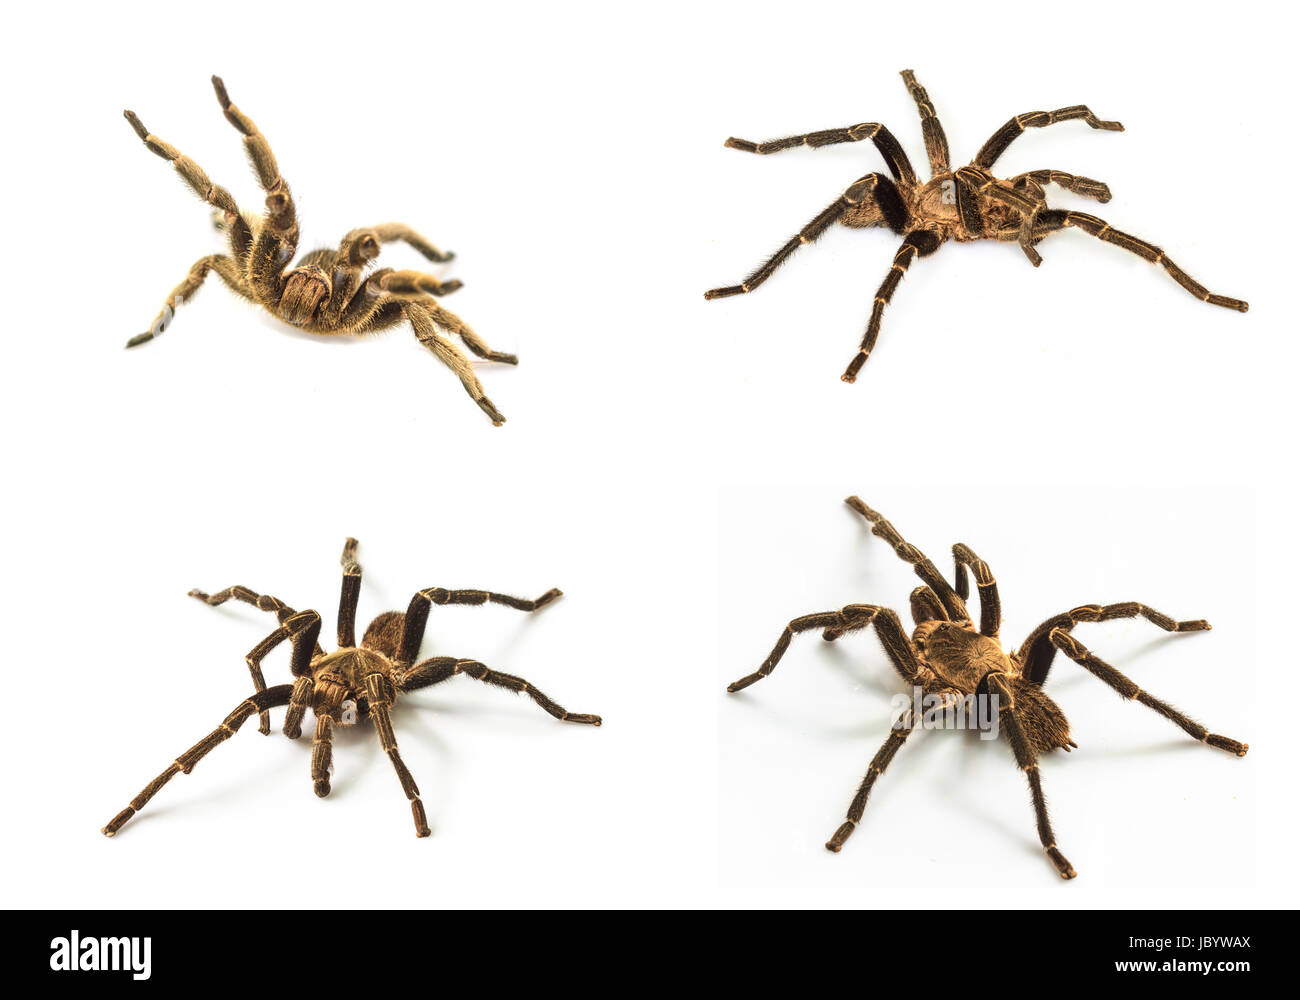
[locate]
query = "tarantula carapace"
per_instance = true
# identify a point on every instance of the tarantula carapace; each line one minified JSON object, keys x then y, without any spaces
{"x":949,"y":661}
{"x":964,"y":204}
{"x":327,"y":292}
{"x":352,"y":683}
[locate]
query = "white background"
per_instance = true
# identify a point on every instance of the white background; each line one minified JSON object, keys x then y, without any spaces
{"x":676,"y":466}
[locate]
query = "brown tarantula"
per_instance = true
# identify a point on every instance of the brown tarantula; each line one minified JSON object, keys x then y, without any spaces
{"x":327,"y":292}
{"x":351,"y":683}
{"x":966,"y":204}
{"x":952,"y":662}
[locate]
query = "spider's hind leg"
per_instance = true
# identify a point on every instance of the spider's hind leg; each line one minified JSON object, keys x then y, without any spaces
{"x":182,"y":293}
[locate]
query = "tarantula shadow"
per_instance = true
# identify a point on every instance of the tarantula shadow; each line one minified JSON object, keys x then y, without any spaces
{"x":328,"y":292}
{"x":964,"y":205}
{"x":953,"y":665}
{"x":355,"y":683}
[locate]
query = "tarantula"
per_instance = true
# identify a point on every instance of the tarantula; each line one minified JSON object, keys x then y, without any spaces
{"x":951,"y":661}
{"x":328,"y":291}
{"x":966,"y":204}
{"x":351,"y":683}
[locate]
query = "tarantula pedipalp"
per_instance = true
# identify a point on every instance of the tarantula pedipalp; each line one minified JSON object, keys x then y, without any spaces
{"x":948,"y":659}
{"x":352,"y":683}
{"x":328,"y":292}
{"x":964,"y":204}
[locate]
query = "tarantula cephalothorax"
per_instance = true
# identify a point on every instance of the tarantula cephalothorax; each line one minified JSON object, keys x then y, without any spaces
{"x":964,"y":204}
{"x":328,"y":291}
{"x":950,"y":660}
{"x":352,"y":683}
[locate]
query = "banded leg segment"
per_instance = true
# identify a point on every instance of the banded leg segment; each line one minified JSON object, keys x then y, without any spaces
{"x":417,"y":612}
{"x":1085,"y":186}
{"x":850,"y":618}
{"x":921,"y":243}
{"x":184,"y":764}
{"x":884,"y":140}
{"x":926,"y":570}
{"x":190,"y":172}
{"x":990,"y":604}
{"x":388,"y":232}
{"x":441,"y":668}
{"x":936,"y":143}
{"x":380,"y":694}
{"x":1007,"y":134}
{"x":422,"y":323}
{"x":277,"y":238}
{"x":412,"y":282}
{"x":1108,"y":675}
{"x":1038,"y":651}
{"x":226,"y":268}
{"x":1028,"y":763}
{"x":263,"y":602}
{"x":322,"y":755}
{"x":351,"y":592}
{"x":1102,"y":230}
{"x":874,"y":186}
{"x":417,"y":283}
{"x":897,"y":737}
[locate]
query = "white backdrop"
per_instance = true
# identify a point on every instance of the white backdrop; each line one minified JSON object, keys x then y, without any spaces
{"x":676,"y":466}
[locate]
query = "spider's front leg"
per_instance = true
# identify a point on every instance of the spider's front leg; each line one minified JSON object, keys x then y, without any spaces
{"x":1025,"y":757}
{"x":381,"y":694}
{"x":417,"y":613}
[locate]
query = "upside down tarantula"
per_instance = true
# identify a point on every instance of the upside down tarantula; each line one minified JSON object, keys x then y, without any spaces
{"x":327,"y":292}
{"x":966,"y":204}
{"x":950,"y":660}
{"x":352,"y":683}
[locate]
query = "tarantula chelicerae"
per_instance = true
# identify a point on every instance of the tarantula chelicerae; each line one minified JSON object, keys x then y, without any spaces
{"x":328,"y":291}
{"x":951,"y":661}
{"x":966,"y":204}
{"x":351,"y":683}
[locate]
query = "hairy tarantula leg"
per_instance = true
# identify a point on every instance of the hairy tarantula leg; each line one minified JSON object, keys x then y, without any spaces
{"x":1102,"y":230}
{"x":417,"y":612}
{"x":388,"y":232}
{"x":897,"y":737}
{"x":427,"y":334}
{"x":190,"y":171}
{"x":184,"y":764}
{"x":1108,"y":675}
{"x":936,"y":143}
{"x":875,"y":186}
{"x":926,"y":570}
{"x":1024,"y":753}
{"x":441,"y":668}
{"x":182,"y":293}
{"x":380,"y":695}
{"x":1085,"y":186}
{"x":322,"y":754}
{"x":262,"y":602}
{"x":1037,"y":652}
{"x":990,"y":604}
{"x":1004,"y":136}
{"x":921,"y":243}
{"x":417,"y":283}
{"x":884,"y":140}
{"x":347,"y":622}
{"x":850,"y":618}
{"x":926,"y":606}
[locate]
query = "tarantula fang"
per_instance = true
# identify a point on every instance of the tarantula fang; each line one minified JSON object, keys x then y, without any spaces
{"x":948,"y":659}
{"x":328,"y":292}
{"x":353,"y":683}
{"x":965,"y":204}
